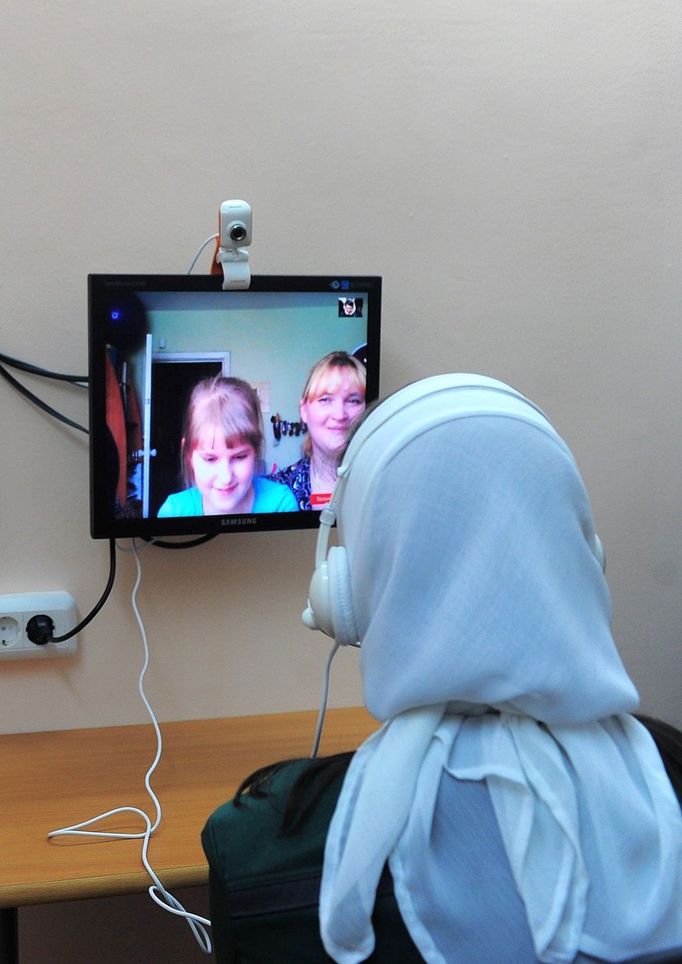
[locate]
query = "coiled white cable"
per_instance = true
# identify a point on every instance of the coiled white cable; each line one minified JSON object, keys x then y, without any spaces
{"x":157,"y":891}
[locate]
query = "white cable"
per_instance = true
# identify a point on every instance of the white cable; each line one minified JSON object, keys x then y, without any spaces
{"x":323,"y":701}
{"x":198,"y":254}
{"x":157,"y":891}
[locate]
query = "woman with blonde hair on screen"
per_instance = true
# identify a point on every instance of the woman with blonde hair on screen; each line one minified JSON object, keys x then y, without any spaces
{"x":333,"y":400}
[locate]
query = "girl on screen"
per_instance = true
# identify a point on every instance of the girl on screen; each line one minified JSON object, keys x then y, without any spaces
{"x":221,"y":445}
{"x":333,"y":400}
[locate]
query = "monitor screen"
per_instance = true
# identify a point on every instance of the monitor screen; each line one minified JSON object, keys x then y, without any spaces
{"x":216,"y":411}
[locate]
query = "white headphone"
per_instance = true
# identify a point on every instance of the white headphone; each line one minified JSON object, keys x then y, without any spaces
{"x":386,"y":430}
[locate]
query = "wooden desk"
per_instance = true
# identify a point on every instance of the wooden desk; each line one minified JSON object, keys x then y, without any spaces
{"x":55,"y":779}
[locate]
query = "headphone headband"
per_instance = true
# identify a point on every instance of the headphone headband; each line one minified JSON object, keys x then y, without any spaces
{"x":485,"y":397}
{"x":416,"y":409}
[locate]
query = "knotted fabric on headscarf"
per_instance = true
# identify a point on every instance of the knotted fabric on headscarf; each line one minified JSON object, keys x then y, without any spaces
{"x":484,"y":618}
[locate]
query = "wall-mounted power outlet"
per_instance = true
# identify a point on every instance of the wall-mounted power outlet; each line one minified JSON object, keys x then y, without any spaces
{"x":29,"y":616}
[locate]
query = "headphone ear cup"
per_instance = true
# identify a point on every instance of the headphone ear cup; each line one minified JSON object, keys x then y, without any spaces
{"x":318,"y":614}
{"x":341,"y":598}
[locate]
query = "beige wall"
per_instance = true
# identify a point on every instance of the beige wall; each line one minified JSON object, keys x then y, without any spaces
{"x":511,"y":169}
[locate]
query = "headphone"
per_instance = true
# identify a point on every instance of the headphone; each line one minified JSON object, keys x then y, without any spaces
{"x":387,"y":429}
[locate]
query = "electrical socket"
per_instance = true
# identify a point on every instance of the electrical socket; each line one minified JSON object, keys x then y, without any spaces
{"x":16,"y":609}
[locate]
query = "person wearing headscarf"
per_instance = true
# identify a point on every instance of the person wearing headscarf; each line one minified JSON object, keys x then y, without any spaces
{"x":523,"y":811}
{"x":486,"y":651}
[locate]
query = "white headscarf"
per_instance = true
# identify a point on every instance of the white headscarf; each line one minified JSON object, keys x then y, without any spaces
{"x":475,"y":584}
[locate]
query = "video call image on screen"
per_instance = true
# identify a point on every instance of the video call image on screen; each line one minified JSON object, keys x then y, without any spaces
{"x":196,"y":414}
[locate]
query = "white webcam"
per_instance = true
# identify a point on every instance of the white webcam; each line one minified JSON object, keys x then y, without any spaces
{"x":235,"y":223}
{"x":235,"y":235}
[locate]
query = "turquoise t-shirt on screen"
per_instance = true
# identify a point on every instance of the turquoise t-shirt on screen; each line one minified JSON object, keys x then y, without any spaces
{"x":268,"y":497}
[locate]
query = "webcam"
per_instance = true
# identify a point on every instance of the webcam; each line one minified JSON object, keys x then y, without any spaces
{"x":235,"y":235}
{"x":235,"y":223}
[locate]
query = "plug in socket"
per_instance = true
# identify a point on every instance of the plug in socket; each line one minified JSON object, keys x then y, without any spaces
{"x":18,"y":609}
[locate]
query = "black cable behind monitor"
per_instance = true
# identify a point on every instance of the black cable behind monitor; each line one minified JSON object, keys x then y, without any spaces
{"x":34,"y":398}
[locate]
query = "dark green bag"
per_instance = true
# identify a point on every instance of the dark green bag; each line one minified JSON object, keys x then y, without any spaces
{"x":264,"y":886}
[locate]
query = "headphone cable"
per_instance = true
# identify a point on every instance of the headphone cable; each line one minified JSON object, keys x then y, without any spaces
{"x":323,"y":701}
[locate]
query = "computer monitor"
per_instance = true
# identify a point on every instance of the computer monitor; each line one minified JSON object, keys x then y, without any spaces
{"x":154,"y":338}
